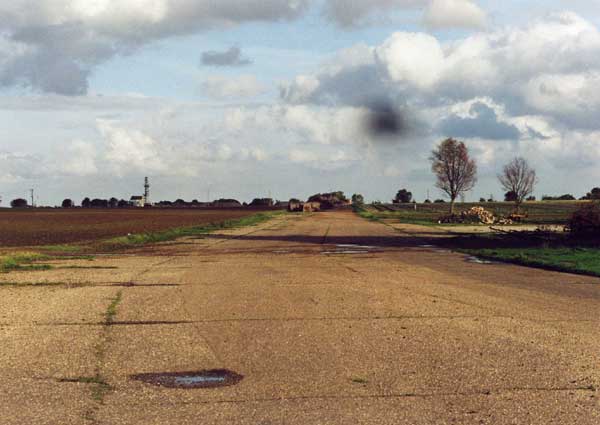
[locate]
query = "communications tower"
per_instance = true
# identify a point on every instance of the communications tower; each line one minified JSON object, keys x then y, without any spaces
{"x":146,"y":191}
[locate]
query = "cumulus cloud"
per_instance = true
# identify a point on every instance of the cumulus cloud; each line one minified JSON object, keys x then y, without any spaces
{"x":219,"y":87}
{"x":454,"y":14}
{"x":53,"y":46}
{"x":231,"y":57}
{"x":549,"y":67}
{"x":530,"y":90}
{"x":78,"y":159}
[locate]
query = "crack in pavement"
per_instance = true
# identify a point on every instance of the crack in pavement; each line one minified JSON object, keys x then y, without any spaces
{"x":497,"y":391}
{"x":293,"y":319}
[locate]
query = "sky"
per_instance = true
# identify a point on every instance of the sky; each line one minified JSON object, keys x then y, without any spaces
{"x":272,"y":98}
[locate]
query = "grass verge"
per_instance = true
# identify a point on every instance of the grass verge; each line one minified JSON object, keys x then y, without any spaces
{"x":365,"y":213}
{"x":565,"y":259}
{"x":23,"y":261}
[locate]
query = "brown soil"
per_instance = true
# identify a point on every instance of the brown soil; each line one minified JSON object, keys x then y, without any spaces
{"x":57,"y":226}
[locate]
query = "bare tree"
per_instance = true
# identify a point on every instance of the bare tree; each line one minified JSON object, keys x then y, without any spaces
{"x":519,"y":178}
{"x":456,"y":172}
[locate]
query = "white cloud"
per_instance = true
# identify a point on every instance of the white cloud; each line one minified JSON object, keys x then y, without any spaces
{"x":131,"y":150}
{"x":454,"y":14}
{"x":219,"y":87}
{"x":413,"y":58}
{"x":548,"y":67}
{"x":78,"y":159}
{"x":53,"y":45}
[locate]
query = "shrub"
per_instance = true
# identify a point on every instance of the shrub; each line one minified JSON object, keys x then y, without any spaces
{"x":358,"y":199}
{"x":18,"y":203}
{"x":510,"y":196}
{"x":565,"y":197}
{"x":586,"y":221}
{"x":594,"y":194}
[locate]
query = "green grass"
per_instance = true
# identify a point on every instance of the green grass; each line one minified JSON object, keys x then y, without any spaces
{"x":366,"y":212}
{"x":542,"y":212}
{"x":36,"y":284}
{"x":23,"y":262}
{"x":172,"y":234}
{"x":61,"y":248}
{"x":572,"y":260}
{"x":111,"y":311}
{"x":99,"y":386}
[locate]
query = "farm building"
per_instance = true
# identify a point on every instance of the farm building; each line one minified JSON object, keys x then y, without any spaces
{"x":295,"y":205}
{"x":226,"y":203}
{"x":311,"y":206}
{"x":137,"y":201}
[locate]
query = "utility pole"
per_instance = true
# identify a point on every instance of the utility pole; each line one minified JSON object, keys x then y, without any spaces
{"x":32,"y":200}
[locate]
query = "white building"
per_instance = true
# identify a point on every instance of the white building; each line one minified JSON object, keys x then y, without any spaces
{"x":137,"y":201}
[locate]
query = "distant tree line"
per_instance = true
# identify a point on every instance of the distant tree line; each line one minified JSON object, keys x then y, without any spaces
{"x":98,"y":203}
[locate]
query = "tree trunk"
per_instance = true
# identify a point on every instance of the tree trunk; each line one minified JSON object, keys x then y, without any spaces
{"x":452,"y":206}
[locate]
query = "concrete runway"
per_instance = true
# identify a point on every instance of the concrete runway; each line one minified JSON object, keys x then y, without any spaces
{"x":330,"y":318}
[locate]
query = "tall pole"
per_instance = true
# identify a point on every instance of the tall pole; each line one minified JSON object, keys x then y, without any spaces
{"x":146,"y":190}
{"x":32,"y":201}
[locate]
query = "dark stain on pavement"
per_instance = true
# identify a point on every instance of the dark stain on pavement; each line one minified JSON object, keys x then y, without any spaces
{"x":200,"y":379}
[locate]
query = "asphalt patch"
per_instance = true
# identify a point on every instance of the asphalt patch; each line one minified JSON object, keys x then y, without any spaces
{"x":189,"y":380}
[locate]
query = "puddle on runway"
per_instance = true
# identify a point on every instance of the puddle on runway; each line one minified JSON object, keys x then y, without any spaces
{"x":200,"y":379}
{"x":351,"y":249}
{"x":477,"y":260}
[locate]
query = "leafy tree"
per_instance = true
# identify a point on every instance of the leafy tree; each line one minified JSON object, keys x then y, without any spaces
{"x":18,"y":203}
{"x":439,"y":201}
{"x":358,"y":199}
{"x":113,"y":202}
{"x":565,"y":197}
{"x":427,"y":201}
{"x":122,"y":203}
{"x":518,"y":178}
{"x":593,"y":195}
{"x":67,"y":203}
{"x":99,"y":203}
{"x":86,"y":203}
{"x":531,"y":198}
{"x":455,"y":171}
{"x":403,"y":197}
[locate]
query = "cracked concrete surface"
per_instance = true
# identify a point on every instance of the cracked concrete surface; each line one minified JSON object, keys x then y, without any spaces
{"x":395,"y":334}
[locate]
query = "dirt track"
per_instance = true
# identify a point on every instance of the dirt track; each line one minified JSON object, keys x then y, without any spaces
{"x":323,"y":332}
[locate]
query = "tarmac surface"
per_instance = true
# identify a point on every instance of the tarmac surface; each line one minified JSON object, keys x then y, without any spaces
{"x":329,"y":319}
